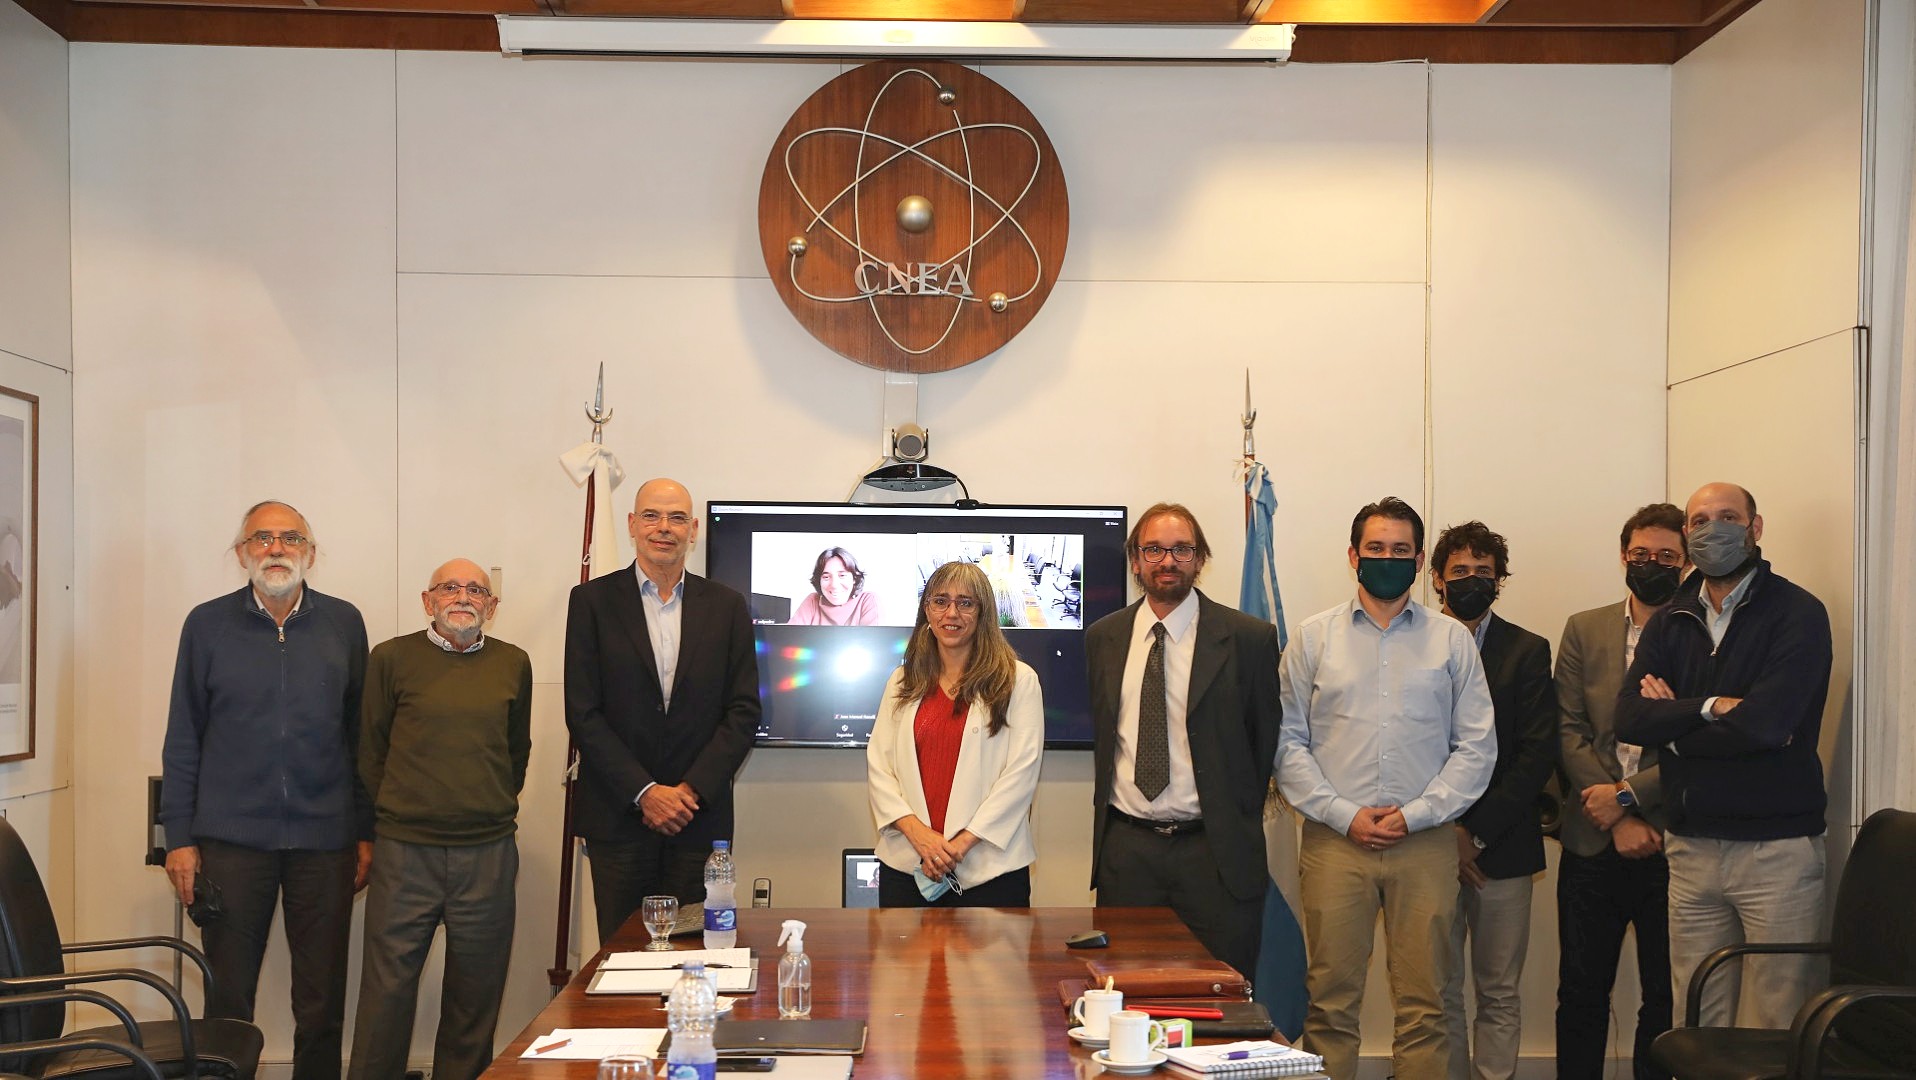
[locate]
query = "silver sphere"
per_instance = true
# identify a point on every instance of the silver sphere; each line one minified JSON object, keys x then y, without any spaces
{"x":946,"y":95}
{"x":797,"y":245}
{"x":998,"y":301}
{"x":914,"y":213}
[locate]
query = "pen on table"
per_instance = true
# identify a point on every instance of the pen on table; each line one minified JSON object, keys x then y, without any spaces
{"x":1240,"y":1055}
{"x":551,"y":1046}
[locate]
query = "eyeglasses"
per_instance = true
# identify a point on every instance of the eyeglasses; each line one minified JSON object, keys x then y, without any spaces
{"x":1181,"y":553}
{"x":450,"y":590}
{"x":678,"y":519}
{"x":965,"y":604}
{"x":261,"y":541}
{"x":1664,"y":557}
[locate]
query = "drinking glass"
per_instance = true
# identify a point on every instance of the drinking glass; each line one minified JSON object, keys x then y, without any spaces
{"x":659,"y":913}
{"x":625,"y":1065}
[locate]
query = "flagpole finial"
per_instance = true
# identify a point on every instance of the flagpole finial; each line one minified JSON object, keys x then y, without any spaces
{"x":1250,"y":420}
{"x":598,"y":413}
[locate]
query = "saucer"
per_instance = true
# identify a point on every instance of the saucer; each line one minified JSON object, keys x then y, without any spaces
{"x":1085,"y":1038}
{"x":1156,"y":1059}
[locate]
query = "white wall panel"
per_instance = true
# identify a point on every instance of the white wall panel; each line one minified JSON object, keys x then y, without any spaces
{"x":35,"y":287}
{"x":233,"y":262}
{"x":1252,"y":173}
{"x":1766,"y":184}
{"x":615,"y":167}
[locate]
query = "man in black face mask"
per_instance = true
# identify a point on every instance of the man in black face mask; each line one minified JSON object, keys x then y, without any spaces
{"x":1731,"y":680}
{"x":1387,"y":738}
{"x":1613,"y":876}
{"x":1499,"y":839}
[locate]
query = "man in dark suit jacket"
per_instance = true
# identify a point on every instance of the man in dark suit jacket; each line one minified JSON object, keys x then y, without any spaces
{"x":661,"y":695}
{"x":1613,"y":875}
{"x":1187,"y":719}
{"x":1499,"y":839}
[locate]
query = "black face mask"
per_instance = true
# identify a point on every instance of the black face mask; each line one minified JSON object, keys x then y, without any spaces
{"x":1468,"y":598}
{"x":1652,"y":583}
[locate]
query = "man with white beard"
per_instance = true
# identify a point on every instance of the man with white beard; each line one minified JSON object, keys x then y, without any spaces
{"x":260,"y":799}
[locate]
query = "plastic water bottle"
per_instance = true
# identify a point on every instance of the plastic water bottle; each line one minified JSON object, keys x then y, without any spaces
{"x":794,"y":974}
{"x":721,"y":900}
{"x":689,"y":1014}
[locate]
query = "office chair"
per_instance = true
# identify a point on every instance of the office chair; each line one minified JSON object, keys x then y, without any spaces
{"x":32,"y":963}
{"x":128,"y":1047}
{"x":1864,"y":1025}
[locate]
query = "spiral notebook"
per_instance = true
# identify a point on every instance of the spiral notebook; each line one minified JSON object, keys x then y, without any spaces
{"x":1265,"y":1058}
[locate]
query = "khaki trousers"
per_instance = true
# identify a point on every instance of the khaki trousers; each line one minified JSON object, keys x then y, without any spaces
{"x":1727,"y":892}
{"x":1497,"y":918}
{"x":1344,"y":887}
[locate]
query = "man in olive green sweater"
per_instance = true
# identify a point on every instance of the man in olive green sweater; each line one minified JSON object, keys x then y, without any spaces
{"x":445,"y":731}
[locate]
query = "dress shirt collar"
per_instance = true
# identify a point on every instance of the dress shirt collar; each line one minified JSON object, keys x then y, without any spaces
{"x":433,"y":635}
{"x":1405,"y":618}
{"x":1483,"y":627}
{"x":646,"y":587}
{"x":1176,"y":624}
{"x":252,"y":594}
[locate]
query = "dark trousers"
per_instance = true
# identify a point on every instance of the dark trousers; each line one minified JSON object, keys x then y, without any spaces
{"x":314,"y":891}
{"x":1598,"y":897}
{"x":625,"y":872}
{"x":414,"y":889}
{"x":1138,"y":867}
{"x":1009,"y":889}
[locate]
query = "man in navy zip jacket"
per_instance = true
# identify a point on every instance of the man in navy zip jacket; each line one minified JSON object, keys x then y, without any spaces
{"x":1729,"y":683}
{"x":260,"y":796}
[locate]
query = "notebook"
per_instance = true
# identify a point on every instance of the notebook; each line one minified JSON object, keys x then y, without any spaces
{"x":789,"y":1037}
{"x":610,"y":980}
{"x":1272,"y":1059}
{"x":591,"y":1044}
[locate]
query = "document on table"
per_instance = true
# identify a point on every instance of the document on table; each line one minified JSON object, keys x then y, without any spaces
{"x":718,"y":959}
{"x":660,"y":980}
{"x":591,"y":1044}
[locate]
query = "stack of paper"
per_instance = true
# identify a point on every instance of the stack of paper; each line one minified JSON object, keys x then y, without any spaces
{"x":591,"y":1044}
{"x":1259,"y":1057}
{"x":655,"y":972}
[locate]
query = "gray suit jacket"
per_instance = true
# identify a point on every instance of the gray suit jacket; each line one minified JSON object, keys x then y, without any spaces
{"x":1231,"y":719}
{"x":1589,"y":676}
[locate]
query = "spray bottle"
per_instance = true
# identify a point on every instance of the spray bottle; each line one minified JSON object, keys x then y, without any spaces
{"x":794,"y":973}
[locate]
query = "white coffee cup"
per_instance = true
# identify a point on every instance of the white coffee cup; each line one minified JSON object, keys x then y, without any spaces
{"x":1134,"y":1035}
{"x":1093,"y":1010}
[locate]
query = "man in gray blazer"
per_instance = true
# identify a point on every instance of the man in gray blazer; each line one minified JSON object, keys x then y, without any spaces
{"x":1613,"y":875}
{"x":1185,"y":703}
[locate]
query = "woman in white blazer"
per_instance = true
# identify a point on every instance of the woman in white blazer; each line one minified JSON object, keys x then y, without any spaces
{"x":953,"y":758}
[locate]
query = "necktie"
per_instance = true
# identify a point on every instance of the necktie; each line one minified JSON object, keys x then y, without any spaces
{"x":1152,"y":771}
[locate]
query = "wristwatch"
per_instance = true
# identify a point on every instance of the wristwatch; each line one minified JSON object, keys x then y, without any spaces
{"x":1626,"y":798}
{"x":1479,"y":841}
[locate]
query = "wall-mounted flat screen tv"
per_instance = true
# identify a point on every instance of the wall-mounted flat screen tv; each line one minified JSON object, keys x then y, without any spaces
{"x":834,"y":592}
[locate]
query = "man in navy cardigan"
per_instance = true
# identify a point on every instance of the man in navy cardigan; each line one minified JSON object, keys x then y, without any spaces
{"x":260,"y":798}
{"x":1729,"y":683}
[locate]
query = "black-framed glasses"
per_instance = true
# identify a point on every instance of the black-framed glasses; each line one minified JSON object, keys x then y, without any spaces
{"x":678,"y":519}
{"x":450,"y":590}
{"x":1154,"y":553}
{"x":965,"y":604}
{"x":262,"y":541}
{"x":1662,"y":557}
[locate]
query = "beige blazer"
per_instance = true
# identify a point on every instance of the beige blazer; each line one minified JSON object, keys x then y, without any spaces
{"x":991,"y":792}
{"x":1589,"y":677}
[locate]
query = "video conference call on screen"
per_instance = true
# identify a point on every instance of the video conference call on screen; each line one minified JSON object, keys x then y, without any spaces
{"x":834,"y":593}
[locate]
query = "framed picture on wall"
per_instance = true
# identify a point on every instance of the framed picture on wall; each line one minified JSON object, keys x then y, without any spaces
{"x":19,"y":559}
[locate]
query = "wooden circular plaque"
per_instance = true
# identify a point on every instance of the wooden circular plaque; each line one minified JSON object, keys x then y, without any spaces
{"x":913,"y":215}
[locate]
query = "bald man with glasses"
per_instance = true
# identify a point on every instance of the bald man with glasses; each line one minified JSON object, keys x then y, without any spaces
{"x":446,"y":730}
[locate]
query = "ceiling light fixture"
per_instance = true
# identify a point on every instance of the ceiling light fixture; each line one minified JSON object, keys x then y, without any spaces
{"x":538,"y":35}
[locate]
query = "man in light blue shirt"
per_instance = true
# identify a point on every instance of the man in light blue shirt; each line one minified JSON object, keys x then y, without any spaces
{"x":1388,"y":733}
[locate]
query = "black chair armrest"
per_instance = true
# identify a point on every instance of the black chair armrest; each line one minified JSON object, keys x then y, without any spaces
{"x":189,"y":1060}
{"x":90,"y":997}
{"x":163,"y":941}
{"x":1818,"y":1015}
{"x":80,"y":1042}
{"x":1693,"y":1003}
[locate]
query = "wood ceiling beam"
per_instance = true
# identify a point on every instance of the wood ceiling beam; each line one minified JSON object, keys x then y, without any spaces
{"x":1644,"y":13}
{"x":1376,"y":12}
{"x":51,"y":12}
{"x":304,"y":28}
{"x":1481,"y":45}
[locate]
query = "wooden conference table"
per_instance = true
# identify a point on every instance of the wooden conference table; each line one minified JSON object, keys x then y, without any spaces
{"x":945,"y":993}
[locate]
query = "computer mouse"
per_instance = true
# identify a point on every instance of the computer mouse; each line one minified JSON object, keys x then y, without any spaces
{"x":1090,"y":939}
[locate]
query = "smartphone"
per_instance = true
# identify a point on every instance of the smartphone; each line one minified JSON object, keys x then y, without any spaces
{"x":747,"y":1064}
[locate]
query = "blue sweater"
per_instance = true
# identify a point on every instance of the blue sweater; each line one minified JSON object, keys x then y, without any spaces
{"x":263,"y":731}
{"x":1752,"y":773}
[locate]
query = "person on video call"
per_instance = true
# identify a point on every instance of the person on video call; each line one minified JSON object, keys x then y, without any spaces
{"x":838,"y":593}
{"x":953,"y":758}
